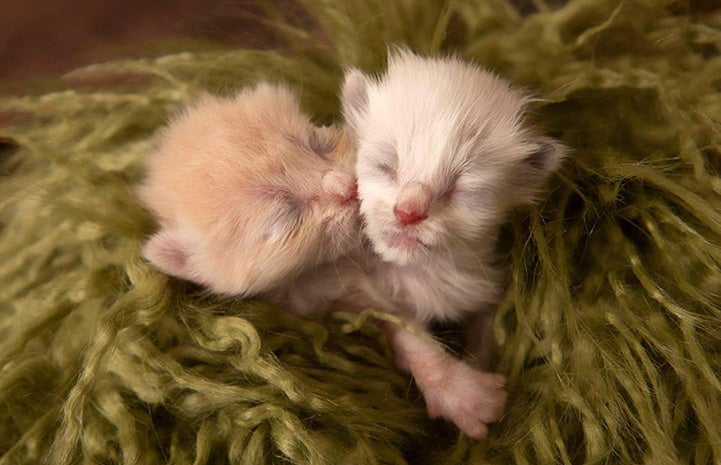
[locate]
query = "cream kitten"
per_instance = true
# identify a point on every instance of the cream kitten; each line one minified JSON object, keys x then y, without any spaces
{"x":248,"y":193}
{"x":443,"y":156}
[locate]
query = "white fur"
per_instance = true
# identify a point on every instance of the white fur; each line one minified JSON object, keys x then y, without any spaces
{"x":446,"y":137}
{"x":455,"y":130}
{"x":441,"y":142}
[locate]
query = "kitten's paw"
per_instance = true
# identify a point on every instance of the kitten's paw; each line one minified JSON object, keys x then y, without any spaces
{"x":469,"y":398}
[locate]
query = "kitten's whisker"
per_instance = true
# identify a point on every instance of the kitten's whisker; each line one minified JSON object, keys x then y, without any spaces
{"x":472,"y":253}
{"x":450,"y":258}
{"x":337,"y":272}
{"x":349,"y":257}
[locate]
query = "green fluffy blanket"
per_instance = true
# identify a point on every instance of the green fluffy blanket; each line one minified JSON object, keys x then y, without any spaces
{"x":609,"y":331}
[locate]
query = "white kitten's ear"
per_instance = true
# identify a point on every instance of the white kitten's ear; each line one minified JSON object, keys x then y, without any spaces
{"x":171,"y":255}
{"x":547,"y":155}
{"x":354,"y":96}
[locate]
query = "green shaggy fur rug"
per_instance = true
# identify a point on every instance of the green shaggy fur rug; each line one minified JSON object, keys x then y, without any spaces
{"x":609,"y":332}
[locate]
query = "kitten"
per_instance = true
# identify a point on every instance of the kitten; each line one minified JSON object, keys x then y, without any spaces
{"x":443,"y":156}
{"x":248,"y":193}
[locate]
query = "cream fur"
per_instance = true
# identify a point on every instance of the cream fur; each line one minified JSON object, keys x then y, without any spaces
{"x":248,"y":193}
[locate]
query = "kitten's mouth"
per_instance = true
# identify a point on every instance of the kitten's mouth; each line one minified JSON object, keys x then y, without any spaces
{"x":404,"y":241}
{"x":351,"y":200}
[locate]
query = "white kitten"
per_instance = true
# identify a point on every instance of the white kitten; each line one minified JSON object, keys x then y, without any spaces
{"x":443,"y":156}
{"x":248,"y":193}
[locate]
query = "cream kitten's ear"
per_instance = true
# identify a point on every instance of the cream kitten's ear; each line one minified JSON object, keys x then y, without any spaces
{"x":354,"y":96}
{"x":171,"y":255}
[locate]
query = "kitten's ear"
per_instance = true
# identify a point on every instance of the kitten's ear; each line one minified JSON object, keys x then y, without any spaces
{"x":547,"y":155}
{"x":354,"y":96}
{"x":171,"y":255}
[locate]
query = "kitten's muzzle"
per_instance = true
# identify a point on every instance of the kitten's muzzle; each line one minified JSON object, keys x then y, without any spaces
{"x":413,"y":204}
{"x":341,"y":187}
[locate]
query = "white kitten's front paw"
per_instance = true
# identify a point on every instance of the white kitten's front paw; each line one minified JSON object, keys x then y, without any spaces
{"x":469,"y":398}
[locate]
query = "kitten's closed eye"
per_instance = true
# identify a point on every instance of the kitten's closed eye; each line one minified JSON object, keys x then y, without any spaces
{"x":454,"y":184}
{"x":284,"y":214}
{"x":386,"y":161}
{"x":286,"y":219}
{"x":386,"y":169}
{"x":449,"y":191}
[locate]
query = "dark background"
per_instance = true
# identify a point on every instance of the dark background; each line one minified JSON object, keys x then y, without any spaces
{"x":46,"y":38}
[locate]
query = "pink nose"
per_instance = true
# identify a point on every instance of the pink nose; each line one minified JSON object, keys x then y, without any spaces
{"x":409,"y":217}
{"x":351,"y":195}
{"x":341,"y":187}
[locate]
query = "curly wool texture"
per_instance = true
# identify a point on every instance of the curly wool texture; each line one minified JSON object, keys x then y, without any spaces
{"x":609,"y":332}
